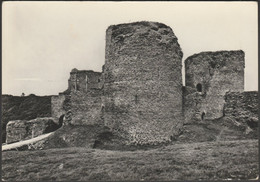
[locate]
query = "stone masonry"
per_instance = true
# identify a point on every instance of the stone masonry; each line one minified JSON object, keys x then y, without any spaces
{"x":57,"y":110}
{"x":83,"y":80}
{"x":84,"y":96}
{"x":139,"y":94}
{"x":243,"y":107}
{"x":22,"y":129}
{"x":211,"y":75}
{"x":142,"y":82}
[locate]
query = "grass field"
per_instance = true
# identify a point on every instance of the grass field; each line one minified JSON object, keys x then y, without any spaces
{"x":205,"y":160}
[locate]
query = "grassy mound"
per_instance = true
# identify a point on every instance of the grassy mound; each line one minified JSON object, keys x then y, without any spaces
{"x":100,"y":137}
{"x":222,"y":129}
{"x":88,"y":136}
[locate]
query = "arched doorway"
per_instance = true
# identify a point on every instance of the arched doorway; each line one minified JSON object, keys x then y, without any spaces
{"x":202,"y":116}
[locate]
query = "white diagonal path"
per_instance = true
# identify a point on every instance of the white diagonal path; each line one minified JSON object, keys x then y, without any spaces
{"x":25,"y":142}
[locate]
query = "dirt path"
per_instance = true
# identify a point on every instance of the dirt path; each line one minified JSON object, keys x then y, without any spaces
{"x":25,"y":142}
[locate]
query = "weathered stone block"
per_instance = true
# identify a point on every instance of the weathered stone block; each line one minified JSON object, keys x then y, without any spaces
{"x":21,"y":130}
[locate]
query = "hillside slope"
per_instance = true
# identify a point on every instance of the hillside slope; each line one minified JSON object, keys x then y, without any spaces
{"x":23,"y":108}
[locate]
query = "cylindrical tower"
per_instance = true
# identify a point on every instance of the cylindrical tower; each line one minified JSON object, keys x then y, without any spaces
{"x":142,"y":90}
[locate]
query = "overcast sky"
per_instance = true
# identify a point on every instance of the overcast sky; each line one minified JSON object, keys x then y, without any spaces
{"x":44,"y":41}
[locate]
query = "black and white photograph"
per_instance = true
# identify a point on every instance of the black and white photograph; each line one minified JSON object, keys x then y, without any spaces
{"x":129,"y":91}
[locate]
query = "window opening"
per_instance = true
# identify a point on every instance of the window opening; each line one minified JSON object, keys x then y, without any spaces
{"x":199,"y":87}
{"x":202,"y":116}
{"x":136,"y":99}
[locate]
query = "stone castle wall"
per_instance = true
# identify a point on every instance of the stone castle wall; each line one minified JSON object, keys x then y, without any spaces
{"x":86,"y":107}
{"x":142,"y":82}
{"x":139,"y":94}
{"x":57,"y":109}
{"x":192,"y":104}
{"x":82,"y":80}
{"x":212,"y":74}
{"x":83,"y":98}
{"x":243,"y":107}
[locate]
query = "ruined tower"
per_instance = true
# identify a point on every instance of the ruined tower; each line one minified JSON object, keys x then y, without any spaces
{"x":208,"y":76}
{"x":83,"y":80}
{"x":142,"y":82}
{"x":83,"y":97}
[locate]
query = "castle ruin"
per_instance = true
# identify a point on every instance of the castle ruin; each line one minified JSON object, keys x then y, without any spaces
{"x":208,"y":76}
{"x":143,"y":82}
{"x":139,"y":94}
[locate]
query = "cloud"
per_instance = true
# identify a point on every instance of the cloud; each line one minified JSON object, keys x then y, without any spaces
{"x":28,"y":79}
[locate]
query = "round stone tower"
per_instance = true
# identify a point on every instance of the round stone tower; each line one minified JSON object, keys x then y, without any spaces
{"x":143,"y":82}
